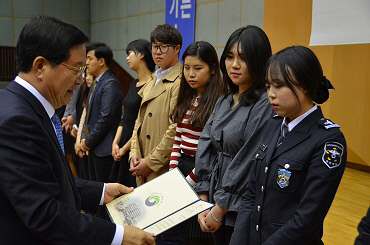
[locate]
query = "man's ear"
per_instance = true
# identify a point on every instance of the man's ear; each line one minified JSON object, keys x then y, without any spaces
{"x":102,"y":62}
{"x":177,"y":49}
{"x":39,"y":66}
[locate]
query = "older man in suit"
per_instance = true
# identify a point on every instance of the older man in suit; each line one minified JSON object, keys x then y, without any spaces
{"x":40,"y":199}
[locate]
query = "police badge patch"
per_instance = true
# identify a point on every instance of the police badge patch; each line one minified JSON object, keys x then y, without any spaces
{"x":332,"y":156}
{"x":283,"y":177}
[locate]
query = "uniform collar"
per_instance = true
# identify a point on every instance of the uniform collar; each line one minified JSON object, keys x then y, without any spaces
{"x":299,"y":119}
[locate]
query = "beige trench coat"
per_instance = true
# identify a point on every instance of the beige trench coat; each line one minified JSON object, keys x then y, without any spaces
{"x":154,"y":131}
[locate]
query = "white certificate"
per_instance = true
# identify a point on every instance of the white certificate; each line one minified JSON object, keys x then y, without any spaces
{"x":158,"y":205}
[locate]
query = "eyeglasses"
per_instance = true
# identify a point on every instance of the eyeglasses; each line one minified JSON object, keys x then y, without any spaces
{"x":162,"y":48}
{"x":79,"y":70}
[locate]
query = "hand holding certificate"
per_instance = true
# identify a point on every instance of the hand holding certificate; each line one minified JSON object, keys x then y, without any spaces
{"x":158,"y":205}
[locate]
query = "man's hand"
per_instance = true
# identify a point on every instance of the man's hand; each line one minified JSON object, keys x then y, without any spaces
{"x":135,"y":236}
{"x":73,"y":133}
{"x":134,"y":161}
{"x":84,"y":147}
{"x":112,"y":190}
{"x":141,"y":169}
{"x":78,"y":150}
{"x":67,"y":123}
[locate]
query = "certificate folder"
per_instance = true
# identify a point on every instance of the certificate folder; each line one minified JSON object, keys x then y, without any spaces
{"x":158,"y":205}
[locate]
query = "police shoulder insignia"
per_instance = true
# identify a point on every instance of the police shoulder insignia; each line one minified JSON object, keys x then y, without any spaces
{"x":327,"y":123}
{"x":283,"y":177}
{"x":332,"y":155}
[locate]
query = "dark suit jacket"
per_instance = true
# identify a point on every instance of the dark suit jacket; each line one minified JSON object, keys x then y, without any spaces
{"x":291,"y":187}
{"x":40,"y":201}
{"x":104,"y":114}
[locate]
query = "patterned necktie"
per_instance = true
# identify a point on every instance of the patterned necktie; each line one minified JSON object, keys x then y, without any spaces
{"x":283,"y":133}
{"x":92,"y":91}
{"x":58,"y":129}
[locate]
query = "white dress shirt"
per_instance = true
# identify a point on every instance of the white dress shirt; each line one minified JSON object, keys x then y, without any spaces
{"x":160,"y":74}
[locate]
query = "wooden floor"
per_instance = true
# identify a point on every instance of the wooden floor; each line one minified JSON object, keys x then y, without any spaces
{"x":350,"y":205}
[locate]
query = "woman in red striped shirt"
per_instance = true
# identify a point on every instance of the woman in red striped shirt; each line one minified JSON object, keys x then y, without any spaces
{"x":201,"y":86}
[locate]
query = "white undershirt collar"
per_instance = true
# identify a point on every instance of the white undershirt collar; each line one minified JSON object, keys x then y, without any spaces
{"x":45,"y":103}
{"x":160,"y":74}
{"x":296,"y":121}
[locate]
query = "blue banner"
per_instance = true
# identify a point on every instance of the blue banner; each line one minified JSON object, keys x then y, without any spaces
{"x":181,"y":15}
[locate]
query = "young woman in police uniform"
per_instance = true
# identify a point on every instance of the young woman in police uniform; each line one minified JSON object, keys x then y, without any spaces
{"x":300,"y":161}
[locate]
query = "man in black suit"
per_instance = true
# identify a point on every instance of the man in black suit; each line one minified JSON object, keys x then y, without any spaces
{"x":40,"y":200}
{"x":103,"y":112}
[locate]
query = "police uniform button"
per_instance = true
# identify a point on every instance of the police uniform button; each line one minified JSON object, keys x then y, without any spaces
{"x":257,"y":227}
{"x":148,"y":136}
{"x":258,"y":208}
{"x":150,"y":114}
{"x":257,"y":155}
{"x":262,"y":188}
{"x":286,"y":166}
{"x":266,"y":168}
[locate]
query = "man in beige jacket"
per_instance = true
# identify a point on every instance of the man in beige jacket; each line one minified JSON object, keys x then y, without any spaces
{"x":154,"y":132}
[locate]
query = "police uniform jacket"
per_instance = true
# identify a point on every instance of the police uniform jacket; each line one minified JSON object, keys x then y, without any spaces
{"x":292,"y":186}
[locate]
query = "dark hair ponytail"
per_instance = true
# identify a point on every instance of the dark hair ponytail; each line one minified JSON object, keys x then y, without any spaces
{"x":322,"y":94}
{"x":142,"y":46}
{"x":299,"y":66}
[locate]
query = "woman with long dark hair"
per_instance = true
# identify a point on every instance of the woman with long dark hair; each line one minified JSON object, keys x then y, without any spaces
{"x":201,"y":85}
{"x":233,"y":131}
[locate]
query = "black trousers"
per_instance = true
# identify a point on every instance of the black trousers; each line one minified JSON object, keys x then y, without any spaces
{"x":99,"y":170}
{"x":223,"y":235}
{"x":171,"y":236}
{"x":99,"y":167}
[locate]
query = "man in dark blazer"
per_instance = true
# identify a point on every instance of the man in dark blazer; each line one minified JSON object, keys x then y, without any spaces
{"x":103,"y":112}
{"x":40,"y":200}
